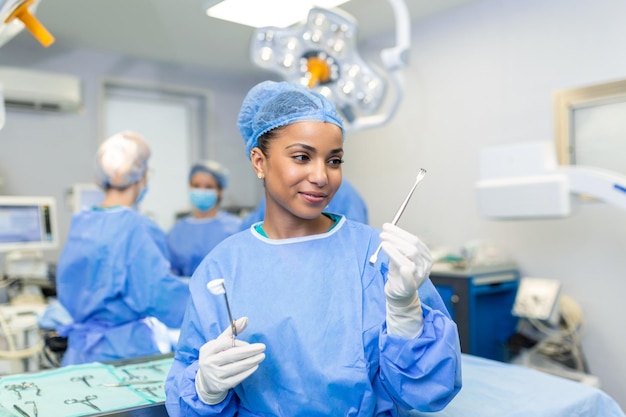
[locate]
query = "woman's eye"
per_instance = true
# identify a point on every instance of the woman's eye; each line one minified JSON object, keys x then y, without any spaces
{"x":301,"y":158}
{"x":336,"y":161}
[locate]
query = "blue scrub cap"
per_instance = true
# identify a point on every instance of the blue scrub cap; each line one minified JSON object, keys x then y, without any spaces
{"x":272,"y":104}
{"x":122,"y":160}
{"x":213,"y":168}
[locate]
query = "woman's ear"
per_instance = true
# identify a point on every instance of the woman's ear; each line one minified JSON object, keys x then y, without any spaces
{"x":258,"y":162}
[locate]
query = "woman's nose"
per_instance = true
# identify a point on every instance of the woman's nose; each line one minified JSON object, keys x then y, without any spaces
{"x":318,"y":173}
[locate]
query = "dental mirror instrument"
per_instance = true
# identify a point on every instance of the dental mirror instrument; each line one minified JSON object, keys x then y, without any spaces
{"x":217,"y":287}
{"x":420,"y":176}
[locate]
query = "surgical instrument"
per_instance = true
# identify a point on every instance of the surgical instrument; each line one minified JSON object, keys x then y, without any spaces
{"x":217,"y":287}
{"x":129,"y":383}
{"x":19,"y":409}
{"x":34,"y":407}
{"x":16,"y":388}
{"x":27,"y":385}
{"x":150,"y":390}
{"x":156,"y":367}
{"x":131,"y":376}
{"x":86,"y":401}
{"x":83,"y":378}
{"x":420,"y":176}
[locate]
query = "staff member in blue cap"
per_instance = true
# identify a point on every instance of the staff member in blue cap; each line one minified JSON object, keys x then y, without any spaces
{"x":113,"y":276}
{"x":322,"y":332}
{"x":193,"y":236}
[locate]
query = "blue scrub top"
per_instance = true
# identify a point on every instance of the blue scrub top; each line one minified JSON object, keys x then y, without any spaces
{"x":112,"y":274}
{"x":190,"y":239}
{"x":319,"y":307}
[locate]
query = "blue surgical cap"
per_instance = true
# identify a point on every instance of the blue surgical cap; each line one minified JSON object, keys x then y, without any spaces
{"x":213,"y":168}
{"x":272,"y":104}
{"x":122,"y":160}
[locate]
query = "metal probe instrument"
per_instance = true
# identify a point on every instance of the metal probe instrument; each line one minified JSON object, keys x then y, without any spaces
{"x":420,"y":176}
{"x":217,"y":287}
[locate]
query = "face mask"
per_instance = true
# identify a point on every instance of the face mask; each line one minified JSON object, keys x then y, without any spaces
{"x":141,"y":195}
{"x":203,"y":200}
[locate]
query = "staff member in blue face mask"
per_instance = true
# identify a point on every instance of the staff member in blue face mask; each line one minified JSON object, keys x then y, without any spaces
{"x":192,"y":237}
{"x":113,"y":276}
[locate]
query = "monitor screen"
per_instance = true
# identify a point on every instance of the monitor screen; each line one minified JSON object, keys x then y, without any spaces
{"x":86,"y":196}
{"x":27,"y":223}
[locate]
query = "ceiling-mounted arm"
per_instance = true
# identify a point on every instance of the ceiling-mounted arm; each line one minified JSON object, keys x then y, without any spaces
{"x":394,"y":59}
{"x":605,"y":185}
{"x":523,"y":181}
{"x":16,"y":15}
{"x":398,"y":56}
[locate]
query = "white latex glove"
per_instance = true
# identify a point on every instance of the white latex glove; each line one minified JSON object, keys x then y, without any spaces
{"x":222,"y":366}
{"x":409,"y":265}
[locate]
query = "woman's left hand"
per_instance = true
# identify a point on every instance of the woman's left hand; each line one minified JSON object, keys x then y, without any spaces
{"x":410,"y":262}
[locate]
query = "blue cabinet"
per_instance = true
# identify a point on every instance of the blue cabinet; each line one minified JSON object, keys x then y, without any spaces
{"x":480,"y":300}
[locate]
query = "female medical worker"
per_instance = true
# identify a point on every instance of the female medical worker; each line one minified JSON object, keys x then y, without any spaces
{"x":192,"y":237}
{"x":321,"y":332}
{"x":112,"y":274}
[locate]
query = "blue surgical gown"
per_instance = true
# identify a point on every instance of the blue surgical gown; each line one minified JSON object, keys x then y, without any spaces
{"x":347,"y":201}
{"x":111,"y":276}
{"x":319,"y":307}
{"x":190,"y":239}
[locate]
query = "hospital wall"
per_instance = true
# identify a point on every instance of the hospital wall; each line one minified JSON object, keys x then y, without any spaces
{"x":44,"y":153}
{"x":485,"y":75}
{"x":481,"y":75}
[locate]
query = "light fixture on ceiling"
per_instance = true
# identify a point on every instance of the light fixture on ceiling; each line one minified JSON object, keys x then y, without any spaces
{"x":321,"y":53}
{"x":16,"y":15}
{"x":260,"y":13}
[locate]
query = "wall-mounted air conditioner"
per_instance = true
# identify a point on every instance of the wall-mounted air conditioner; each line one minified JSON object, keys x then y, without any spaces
{"x":39,"y":90}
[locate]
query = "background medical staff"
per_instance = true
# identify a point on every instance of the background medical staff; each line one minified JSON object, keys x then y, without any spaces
{"x":113,"y":275}
{"x":326,"y":331}
{"x":193,"y":236}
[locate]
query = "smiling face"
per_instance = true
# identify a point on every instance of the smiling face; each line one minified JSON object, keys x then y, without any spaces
{"x":302,"y":171}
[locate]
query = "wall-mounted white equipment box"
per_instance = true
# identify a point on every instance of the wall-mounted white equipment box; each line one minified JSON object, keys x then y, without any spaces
{"x":40,"y":90}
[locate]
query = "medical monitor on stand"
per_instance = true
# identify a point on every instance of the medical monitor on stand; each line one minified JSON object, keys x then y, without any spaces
{"x":28,"y":226}
{"x":85,"y":196}
{"x":27,"y":223}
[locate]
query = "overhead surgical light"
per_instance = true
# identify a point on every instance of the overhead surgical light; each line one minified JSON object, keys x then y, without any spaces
{"x":321,"y":53}
{"x":16,"y":15}
{"x":257,"y":13}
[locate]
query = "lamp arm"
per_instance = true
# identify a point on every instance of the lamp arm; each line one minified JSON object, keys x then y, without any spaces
{"x":603,"y":184}
{"x":393,"y":59}
{"x":398,"y":56}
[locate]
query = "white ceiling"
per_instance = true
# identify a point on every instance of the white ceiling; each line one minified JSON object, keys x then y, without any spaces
{"x":177,"y":31}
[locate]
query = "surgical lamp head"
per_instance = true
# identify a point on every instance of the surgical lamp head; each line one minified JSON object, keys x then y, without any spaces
{"x":272,"y":104}
{"x":321,"y":53}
